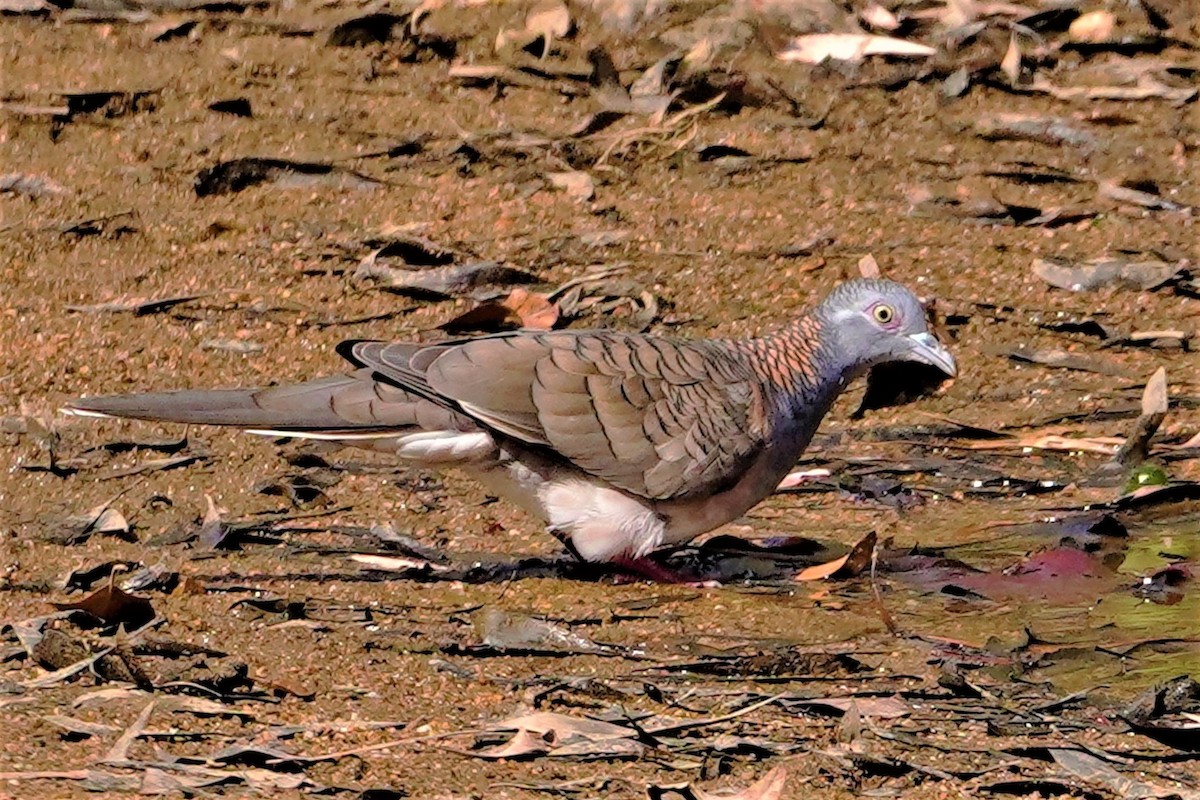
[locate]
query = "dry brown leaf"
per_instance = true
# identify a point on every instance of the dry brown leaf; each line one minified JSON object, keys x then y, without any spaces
{"x":1132,"y":195}
{"x":550,"y":18}
{"x":78,"y":728}
{"x":394,"y":563}
{"x":1100,"y":273}
{"x":114,"y":607}
{"x":543,"y":732}
{"x":814,"y":48}
{"x":1010,"y":65}
{"x":575,"y":183}
{"x":522,"y":744}
{"x":203,"y":707}
{"x":849,"y":565}
{"x":868,"y":267}
{"x":877,"y":17}
{"x":28,"y":184}
{"x":562,"y":726}
{"x":101,"y":519}
{"x":1092,"y":27}
{"x":107,"y":696}
{"x":1154,"y":396}
{"x":521,"y":309}
{"x":850,"y":727}
{"x":138,"y":306}
{"x":1147,"y":88}
{"x":1105,"y":445}
{"x":699,"y":58}
{"x":800,"y":477}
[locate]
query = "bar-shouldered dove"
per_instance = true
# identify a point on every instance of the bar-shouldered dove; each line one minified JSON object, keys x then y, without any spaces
{"x":622,"y":443}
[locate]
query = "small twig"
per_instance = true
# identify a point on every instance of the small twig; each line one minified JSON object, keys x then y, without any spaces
{"x":373,"y":748}
{"x":888,"y":620}
{"x":700,"y":723}
{"x":601,"y":274}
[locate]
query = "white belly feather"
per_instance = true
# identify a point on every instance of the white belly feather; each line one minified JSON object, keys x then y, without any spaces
{"x":602,"y":522}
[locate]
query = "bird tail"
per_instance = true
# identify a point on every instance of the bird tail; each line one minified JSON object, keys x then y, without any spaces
{"x":337,"y":407}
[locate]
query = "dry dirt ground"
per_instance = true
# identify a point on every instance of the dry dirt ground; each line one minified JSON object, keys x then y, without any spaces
{"x":274,"y":652}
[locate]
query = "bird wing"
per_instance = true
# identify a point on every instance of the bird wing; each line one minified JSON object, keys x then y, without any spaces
{"x":658,"y":418}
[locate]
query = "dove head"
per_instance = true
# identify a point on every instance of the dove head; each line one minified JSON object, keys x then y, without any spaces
{"x":876,"y":321}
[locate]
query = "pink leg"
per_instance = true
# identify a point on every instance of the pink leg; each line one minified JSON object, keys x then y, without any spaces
{"x":656,"y":573}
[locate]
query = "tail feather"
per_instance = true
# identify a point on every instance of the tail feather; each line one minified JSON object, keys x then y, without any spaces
{"x":351,"y":403}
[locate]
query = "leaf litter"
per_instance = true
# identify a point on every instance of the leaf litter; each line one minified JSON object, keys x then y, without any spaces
{"x":702,"y":713}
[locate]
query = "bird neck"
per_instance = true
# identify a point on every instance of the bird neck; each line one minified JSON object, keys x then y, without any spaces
{"x":805,"y":365}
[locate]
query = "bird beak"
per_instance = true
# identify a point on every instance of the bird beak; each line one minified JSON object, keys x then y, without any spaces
{"x":928,"y":350}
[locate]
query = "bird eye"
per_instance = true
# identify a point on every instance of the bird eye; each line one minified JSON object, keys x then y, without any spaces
{"x":883,"y":314}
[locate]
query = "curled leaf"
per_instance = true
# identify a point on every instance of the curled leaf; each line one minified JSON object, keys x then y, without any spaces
{"x":521,"y":309}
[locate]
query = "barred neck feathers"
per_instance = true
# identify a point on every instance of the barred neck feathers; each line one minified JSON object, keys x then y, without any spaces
{"x":797,"y":361}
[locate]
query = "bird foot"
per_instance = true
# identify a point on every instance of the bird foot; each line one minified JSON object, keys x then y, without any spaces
{"x":646,"y":569}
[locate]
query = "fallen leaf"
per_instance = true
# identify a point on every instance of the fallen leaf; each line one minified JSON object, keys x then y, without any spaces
{"x":563,"y":726}
{"x":30,"y":185}
{"x":108,"y":696}
{"x":868,"y":267}
{"x":203,"y":707}
{"x":1092,"y":27}
{"x":1147,"y":88}
{"x":138,"y":306}
{"x":1136,"y":449}
{"x":119,"y":752}
{"x":1093,"y":771}
{"x":550,"y":18}
{"x":524,"y":743}
{"x":814,"y":48}
{"x":550,"y":733}
{"x":1062,"y":359}
{"x":1105,"y":445}
{"x":1010,"y":65}
{"x":521,"y":309}
{"x":877,"y":17}
{"x":576,"y":184}
{"x":848,"y":566}
{"x":113,"y":606}
{"x":183,"y":783}
{"x":1034,"y":128}
{"x":393,"y":563}
{"x":1082,"y":277}
{"x":448,"y":280}
{"x":76,"y":729}
{"x":801,"y":477}
{"x":1154,"y":396}
{"x":1138,"y":196}
{"x":101,"y":519}
{"x":238,"y":346}
{"x":520,"y":633}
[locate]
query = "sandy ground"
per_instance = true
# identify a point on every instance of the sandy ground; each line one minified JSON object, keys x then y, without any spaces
{"x":726,"y":247}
